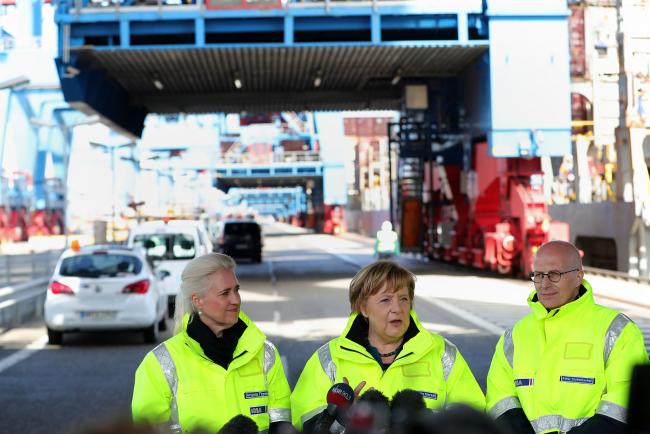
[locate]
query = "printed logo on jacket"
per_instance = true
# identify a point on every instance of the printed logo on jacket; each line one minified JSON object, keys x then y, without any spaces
{"x":260,"y":409}
{"x":580,"y":380}
{"x":523,"y":382}
{"x":253,"y":395}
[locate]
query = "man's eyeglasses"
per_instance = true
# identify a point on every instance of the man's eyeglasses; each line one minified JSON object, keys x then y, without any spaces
{"x":554,"y":276}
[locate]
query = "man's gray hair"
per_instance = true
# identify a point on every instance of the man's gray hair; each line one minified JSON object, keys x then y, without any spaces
{"x":194,"y":279}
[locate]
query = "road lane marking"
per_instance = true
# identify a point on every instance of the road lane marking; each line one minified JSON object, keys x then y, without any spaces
{"x":463,"y":314}
{"x":469,"y":317}
{"x":276,"y":316}
{"x":272,"y":273}
{"x":21,"y":355}
{"x":345,"y":258}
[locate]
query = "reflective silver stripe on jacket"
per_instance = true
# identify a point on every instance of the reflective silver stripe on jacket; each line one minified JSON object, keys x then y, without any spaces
{"x":504,"y":405}
{"x":325,"y":357}
{"x":613,"y":332}
{"x":279,"y":415}
{"x":612,"y":410}
{"x":275,"y":414}
{"x":315,"y":412}
{"x":555,"y":422}
{"x":169,"y":371}
{"x":508,"y":346}
{"x":448,"y":359}
{"x":269,"y":358}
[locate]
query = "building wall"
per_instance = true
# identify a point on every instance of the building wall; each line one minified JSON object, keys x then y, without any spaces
{"x":601,"y":220}
{"x":365,"y":222}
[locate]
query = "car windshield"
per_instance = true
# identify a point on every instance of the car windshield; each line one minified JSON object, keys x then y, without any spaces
{"x":100,"y":265}
{"x":167,"y":246}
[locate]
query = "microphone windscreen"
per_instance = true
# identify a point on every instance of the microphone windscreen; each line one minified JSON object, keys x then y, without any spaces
{"x":374,"y":397}
{"x":408,"y":400}
{"x":372,"y":408}
{"x":407,"y":407}
{"x":239,"y":424}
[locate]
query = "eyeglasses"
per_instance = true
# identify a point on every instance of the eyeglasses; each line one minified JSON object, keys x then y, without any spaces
{"x":554,"y":275}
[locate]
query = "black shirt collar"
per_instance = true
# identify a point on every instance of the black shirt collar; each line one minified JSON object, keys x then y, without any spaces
{"x":359,"y":333}
{"x":582,"y":291}
{"x":218,"y":349}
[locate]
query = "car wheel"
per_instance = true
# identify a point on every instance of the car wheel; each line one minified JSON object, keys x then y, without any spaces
{"x":151,"y":333}
{"x":54,"y":337}
{"x":171,"y":306}
{"x":162,"y":324}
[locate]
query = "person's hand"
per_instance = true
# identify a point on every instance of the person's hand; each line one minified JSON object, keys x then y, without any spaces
{"x":357,"y":390}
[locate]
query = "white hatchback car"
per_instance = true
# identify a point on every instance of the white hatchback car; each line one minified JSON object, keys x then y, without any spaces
{"x":104,"y":288}
{"x":171,"y":245}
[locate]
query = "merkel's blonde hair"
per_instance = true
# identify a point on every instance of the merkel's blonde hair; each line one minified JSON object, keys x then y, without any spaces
{"x":371,"y":279}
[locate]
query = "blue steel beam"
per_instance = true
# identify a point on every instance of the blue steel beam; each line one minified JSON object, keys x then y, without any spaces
{"x":298,"y":170}
{"x":442,"y":23}
{"x":92,"y":91}
{"x":130,"y":26}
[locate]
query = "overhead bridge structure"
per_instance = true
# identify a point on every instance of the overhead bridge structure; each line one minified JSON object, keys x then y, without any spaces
{"x":466,"y":72}
{"x":126,"y":61}
{"x":489,"y":64}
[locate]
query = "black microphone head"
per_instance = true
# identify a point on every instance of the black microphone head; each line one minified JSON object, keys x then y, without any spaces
{"x":371,"y":413}
{"x":461,"y":418}
{"x":406,"y":407}
{"x":374,"y":397}
{"x":239,"y":424}
{"x":409,"y":400}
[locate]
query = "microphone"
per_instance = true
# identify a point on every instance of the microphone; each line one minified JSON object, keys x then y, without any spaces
{"x":333,"y":419}
{"x":239,"y":424}
{"x":406,"y":405}
{"x":371,"y":414}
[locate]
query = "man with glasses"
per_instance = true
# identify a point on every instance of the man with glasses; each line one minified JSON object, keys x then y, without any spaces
{"x":566,"y":366}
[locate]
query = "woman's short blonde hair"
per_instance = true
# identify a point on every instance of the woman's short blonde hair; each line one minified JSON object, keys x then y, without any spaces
{"x":371,"y":279}
{"x":194,"y":279}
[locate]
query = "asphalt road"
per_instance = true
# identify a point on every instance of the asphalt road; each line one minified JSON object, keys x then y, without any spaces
{"x":298,"y":297}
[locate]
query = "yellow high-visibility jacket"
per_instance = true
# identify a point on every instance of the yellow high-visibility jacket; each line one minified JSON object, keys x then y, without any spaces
{"x":427,"y":363}
{"x":177,"y":385}
{"x":565,"y":365}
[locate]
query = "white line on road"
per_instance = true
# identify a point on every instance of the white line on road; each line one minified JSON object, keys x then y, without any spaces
{"x":469,"y":317}
{"x":463,"y":314}
{"x":21,"y":355}
{"x":272,"y":273}
{"x":345,"y":258}
{"x":276,"y":316}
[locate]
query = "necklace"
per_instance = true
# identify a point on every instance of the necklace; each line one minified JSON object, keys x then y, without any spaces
{"x":392,"y":353}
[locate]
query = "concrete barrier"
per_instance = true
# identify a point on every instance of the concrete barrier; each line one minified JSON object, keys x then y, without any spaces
{"x":21,"y":303}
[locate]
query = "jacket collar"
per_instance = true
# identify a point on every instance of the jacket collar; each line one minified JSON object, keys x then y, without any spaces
{"x":585,"y":298}
{"x":247,"y":346}
{"x":418,"y":345}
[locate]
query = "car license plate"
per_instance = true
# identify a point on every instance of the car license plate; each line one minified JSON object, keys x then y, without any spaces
{"x":98,"y":315}
{"x":241,"y":246}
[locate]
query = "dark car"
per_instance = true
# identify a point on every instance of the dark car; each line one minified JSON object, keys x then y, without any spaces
{"x":241,"y":239}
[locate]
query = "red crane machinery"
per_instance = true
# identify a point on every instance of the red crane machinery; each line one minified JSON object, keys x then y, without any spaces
{"x":455,"y":202}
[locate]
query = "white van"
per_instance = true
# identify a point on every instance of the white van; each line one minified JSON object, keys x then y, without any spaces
{"x":170,"y":245}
